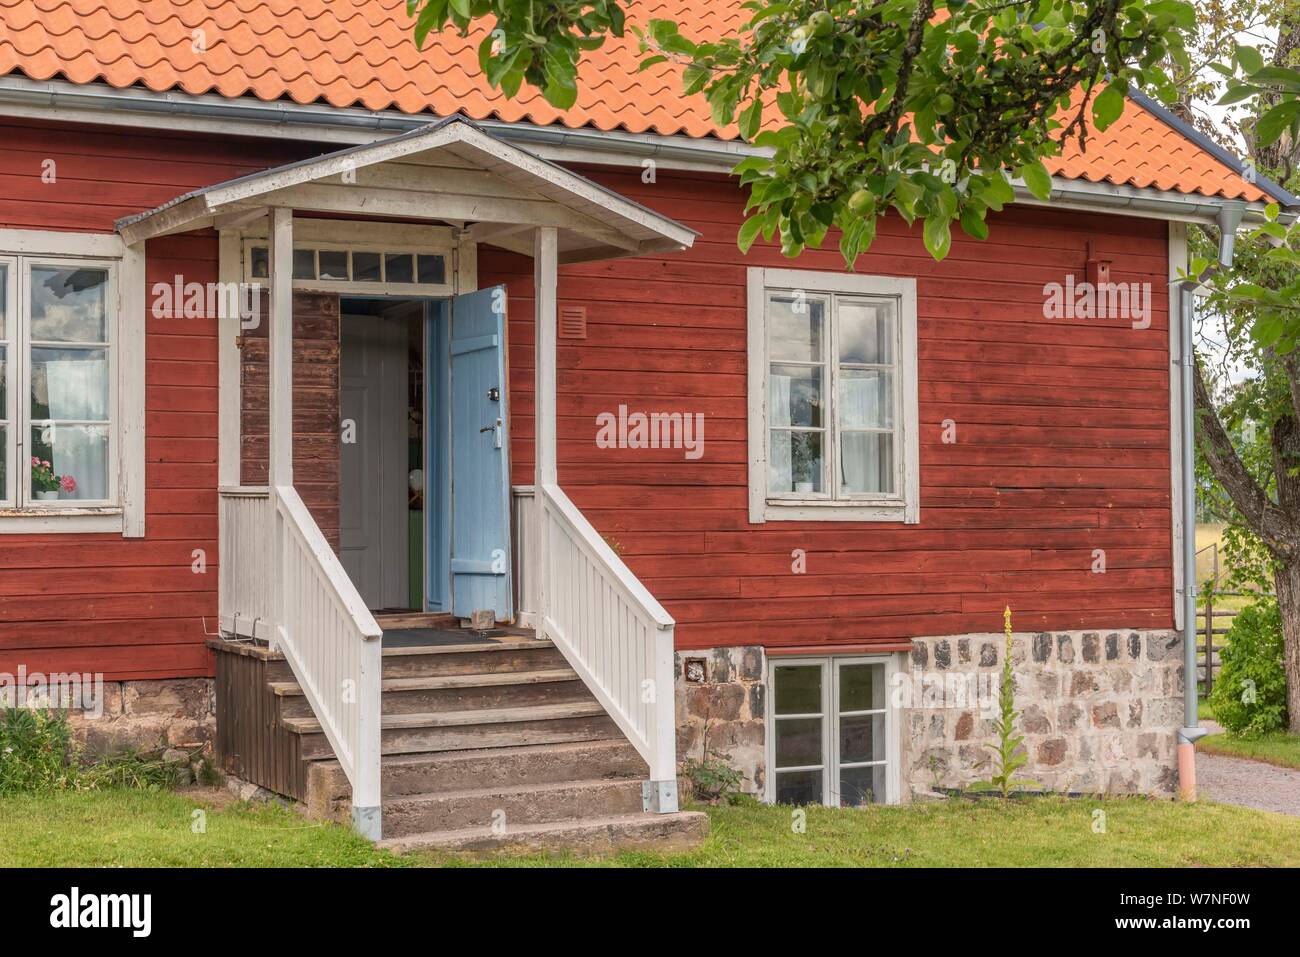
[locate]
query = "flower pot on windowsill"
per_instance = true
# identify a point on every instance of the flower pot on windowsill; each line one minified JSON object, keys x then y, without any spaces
{"x":803,"y":487}
{"x":47,"y":496}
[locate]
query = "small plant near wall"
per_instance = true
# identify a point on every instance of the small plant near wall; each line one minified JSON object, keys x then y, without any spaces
{"x":712,"y":780}
{"x":38,"y":754}
{"x":1008,"y":753}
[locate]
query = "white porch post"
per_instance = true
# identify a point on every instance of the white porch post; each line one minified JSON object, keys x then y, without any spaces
{"x":545,"y":267}
{"x":280,"y":363}
{"x":279,"y":380}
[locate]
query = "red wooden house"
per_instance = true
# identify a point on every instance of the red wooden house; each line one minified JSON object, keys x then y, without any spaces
{"x":331,"y":349}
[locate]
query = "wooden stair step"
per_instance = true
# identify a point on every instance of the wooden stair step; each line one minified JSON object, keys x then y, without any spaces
{"x":430,"y":773}
{"x":439,"y":682}
{"x":648,"y":832}
{"x":484,"y":647}
{"x":431,"y":731}
{"x":450,"y":719}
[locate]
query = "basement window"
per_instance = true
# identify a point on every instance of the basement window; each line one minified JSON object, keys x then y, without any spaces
{"x":832,"y":738}
{"x":833,"y":397}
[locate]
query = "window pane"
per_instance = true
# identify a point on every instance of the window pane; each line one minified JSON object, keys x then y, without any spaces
{"x":399,"y":267}
{"x":69,"y":305}
{"x":866,"y":399}
{"x":799,"y":787}
{"x":867,"y":462}
{"x":862,"y":687}
{"x":333,"y":264}
{"x":798,"y":690}
{"x":796,"y":462}
{"x":4,"y":462}
{"x":70,"y":384}
{"x":798,"y":742}
{"x":261,"y":263}
{"x":365,"y":267}
{"x":432,"y":269}
{"x":4,"y":378}
{"x":860,"y":786}
{"x":794,"y":396}
{"x":304,"y":264}
{"x":866,"y":332}
{"x":78,"y":457}
{"x":862,"y":738}
{"x":795,"y":328}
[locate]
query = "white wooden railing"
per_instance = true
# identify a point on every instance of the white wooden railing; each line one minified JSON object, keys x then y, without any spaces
{"x":613,"y":632}
{"x":244,"y":581}
{"x":317,"y":620}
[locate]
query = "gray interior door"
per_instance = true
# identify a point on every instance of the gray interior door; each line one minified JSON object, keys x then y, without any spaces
{"x":373,"y":527}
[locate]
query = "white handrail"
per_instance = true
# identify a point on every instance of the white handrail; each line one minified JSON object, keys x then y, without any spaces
{"x":614,"y":633}
{"x":318,"y":621}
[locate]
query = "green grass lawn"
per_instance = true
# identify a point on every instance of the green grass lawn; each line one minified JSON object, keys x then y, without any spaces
{"x":1280,"y":749}
{"x":132,"y":828}
{"x":157,"y":829}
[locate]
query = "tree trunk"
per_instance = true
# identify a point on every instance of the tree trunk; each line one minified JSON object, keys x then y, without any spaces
{"x":1287,"y":582}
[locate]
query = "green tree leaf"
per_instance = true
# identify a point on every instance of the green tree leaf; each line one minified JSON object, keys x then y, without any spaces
{"x":1036,"y":179}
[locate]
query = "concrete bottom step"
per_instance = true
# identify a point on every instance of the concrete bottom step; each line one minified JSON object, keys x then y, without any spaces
{"x":511,"y":807}
{"x":644,"y":832}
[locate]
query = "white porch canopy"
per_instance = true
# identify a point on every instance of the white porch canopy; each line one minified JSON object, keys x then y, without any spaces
{"x":451,"y":171}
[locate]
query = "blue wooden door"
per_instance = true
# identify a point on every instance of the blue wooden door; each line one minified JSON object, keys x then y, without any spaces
{"x":480,"y":461}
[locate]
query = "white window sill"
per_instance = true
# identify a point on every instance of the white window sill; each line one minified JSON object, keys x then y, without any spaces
{"x":61,"y":520}
{"x":795,"y":510}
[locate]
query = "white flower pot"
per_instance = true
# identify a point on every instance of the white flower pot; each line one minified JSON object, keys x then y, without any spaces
{"x":803,"y":487}
{"x":47,"y":496}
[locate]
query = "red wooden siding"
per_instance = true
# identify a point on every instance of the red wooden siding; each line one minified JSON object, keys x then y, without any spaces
{"x":131,"y":608}
{"x":1062,"y":427}
{"x":1063,"y":430}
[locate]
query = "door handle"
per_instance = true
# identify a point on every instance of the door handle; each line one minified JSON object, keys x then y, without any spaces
{"x":495,"y":428}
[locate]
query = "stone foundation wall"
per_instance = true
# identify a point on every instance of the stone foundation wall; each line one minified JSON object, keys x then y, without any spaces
{"x":1099,"y":711}
{"x":727,"y":709}
{"x":141,"y":715}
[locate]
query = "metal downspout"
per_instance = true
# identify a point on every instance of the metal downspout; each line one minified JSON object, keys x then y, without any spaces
{"x":1229,"y":219}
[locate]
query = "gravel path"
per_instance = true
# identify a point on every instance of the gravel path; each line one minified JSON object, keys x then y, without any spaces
{"x":1247,"y":783}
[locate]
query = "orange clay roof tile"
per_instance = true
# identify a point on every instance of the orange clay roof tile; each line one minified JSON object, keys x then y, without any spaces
{"x":361,"y":53}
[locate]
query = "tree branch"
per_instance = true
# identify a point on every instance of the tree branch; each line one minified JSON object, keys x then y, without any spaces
{"x":1264,"y":517}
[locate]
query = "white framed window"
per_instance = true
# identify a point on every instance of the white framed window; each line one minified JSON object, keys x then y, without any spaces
{"x":71,"y":415}
{"x":375,"y":258}
{"x":832,"y":735}
{"x":833,"y":430}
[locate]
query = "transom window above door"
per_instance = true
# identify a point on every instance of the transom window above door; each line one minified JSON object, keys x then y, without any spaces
{"x":833,"y":403}
{"x":390,"y":267}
